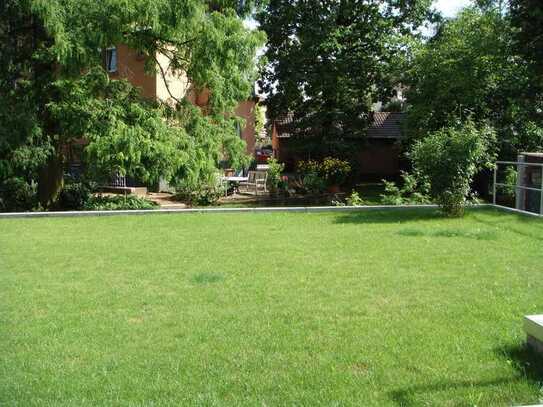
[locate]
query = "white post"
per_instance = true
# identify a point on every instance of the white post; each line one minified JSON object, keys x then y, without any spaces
{"x":520,"y":196}
{"x":541,"y":194}
{"x":494,"y":185}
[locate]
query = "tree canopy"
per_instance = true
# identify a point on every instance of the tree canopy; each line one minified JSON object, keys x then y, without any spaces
{"x":53,"y":88}
{"x":473,"y":69}
{"x":330,"y":61}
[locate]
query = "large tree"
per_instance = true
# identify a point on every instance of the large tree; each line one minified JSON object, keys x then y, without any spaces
{"x":527,"y":17}
{"x":330,"y":61}
{"x":472,"y":69}
{"x":53,"y":89}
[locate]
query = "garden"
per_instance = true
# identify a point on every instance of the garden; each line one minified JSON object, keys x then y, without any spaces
{"x":177,"y":104}
{"x":379,"y":308}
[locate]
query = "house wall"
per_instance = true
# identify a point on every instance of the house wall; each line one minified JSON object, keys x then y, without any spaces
{"x":131,"y":66}
{"x":176,"y":83}
{"x":246,"y":110}
{"x":379,"y":157}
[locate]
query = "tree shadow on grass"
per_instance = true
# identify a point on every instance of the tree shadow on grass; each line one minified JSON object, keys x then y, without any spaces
{"x":392,"y":215}
{"x":527,"y":363}
{"x":407,"y":396}
{"x":537,"y":224}
{"x":451,"y":233}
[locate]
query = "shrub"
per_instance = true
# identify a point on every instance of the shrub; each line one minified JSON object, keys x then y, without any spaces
{"x":335,"y":171}
{"x":508,"y":191}
{"x":414,"y":190}
{"x":204,"y":190}
{"x":283,"y":185}
{"x":309,"y":178}
{"x":314,"y":176}
{"x":118,"y":202}
{"x":75,"y":195}
{"x":352,"y":200}
{"x":17,"y":195}
{"x":275,"y":170}
{"x":449,"y":159}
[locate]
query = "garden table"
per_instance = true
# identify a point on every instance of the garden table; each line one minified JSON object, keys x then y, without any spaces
{"x":235,"y":181}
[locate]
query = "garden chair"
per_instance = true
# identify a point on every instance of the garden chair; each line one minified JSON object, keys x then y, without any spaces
{"x":256,"y":180}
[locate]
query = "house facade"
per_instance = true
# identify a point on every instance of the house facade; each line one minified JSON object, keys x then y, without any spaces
{"x":122,"y":62}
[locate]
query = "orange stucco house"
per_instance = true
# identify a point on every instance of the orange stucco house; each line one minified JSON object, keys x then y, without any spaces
{"x":124,"y":62}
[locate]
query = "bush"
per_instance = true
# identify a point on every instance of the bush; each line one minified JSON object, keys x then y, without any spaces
{"x":352,"y":200}
{"x":508,"y":191}
{"x":449,"y":159}
{"x":203,"y":191}
{"x":317,"y":175}
{"x":335,"y":171}
{"x":118,"y":203}
{"x":275,"y":170}
{"x":17,"y":195}
{"x":414,"y":190}
{"x":75,"y":195}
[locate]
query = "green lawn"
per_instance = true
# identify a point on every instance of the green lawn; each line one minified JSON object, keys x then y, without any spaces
{"x":402,"y":308}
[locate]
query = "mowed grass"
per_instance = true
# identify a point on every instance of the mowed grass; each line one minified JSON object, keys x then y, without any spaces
{"x":371,"y":308}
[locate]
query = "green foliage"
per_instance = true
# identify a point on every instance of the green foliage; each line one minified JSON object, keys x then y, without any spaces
{"x":46,"y":102}
{"x":309,"y":178}
{"x":449,"y":159}
{"x":118,"y":203}
{"x":354,"y":199}
{"x":17,"y":195}
{"x":75,"y":195}
{"x":415,"y":189}
{"x":471,"y":69}
{"x":203,"y":189}
{"x":527,"y":17}
{"x":329,"y":62}
{"x":334,"y":170}
{"x":275,"y":170}
{"x":508,"y":191}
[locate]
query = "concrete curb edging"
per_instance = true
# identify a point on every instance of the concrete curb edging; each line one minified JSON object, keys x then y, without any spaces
{"x":307,"y":209}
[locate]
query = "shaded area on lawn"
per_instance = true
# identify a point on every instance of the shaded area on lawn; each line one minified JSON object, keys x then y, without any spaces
{"x":526,"y":361}
{"x":389,"y":216}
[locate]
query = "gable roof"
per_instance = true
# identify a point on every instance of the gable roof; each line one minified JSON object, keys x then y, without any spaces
{"x":386,"y":125}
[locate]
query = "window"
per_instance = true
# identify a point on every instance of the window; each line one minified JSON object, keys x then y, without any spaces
{"x":111,"y":59}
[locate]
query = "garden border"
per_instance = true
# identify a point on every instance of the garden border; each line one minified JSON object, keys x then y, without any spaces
{"x":306,"y":209}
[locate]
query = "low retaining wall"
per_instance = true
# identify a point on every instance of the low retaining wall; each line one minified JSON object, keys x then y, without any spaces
{"x":224,"y":210}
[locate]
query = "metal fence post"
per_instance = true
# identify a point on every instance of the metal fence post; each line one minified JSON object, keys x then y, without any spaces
{"x":541,"y":194}
{"x":494,"y":185}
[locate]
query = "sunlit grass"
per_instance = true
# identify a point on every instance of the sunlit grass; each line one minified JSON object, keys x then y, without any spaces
{"x":372,"y":308}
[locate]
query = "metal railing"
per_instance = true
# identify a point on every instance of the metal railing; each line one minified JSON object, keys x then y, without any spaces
{"x":518,"y":187}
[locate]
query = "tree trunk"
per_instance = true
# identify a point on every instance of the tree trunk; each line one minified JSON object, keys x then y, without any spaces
{"x":51,"y":181}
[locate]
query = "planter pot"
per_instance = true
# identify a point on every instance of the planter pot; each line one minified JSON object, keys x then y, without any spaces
{"x":333,"y":189}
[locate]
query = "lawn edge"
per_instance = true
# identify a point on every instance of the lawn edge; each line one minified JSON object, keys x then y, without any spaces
{"x":68,"y":214}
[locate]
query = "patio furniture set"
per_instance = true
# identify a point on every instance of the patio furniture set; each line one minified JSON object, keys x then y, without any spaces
{"x":254,"y":182}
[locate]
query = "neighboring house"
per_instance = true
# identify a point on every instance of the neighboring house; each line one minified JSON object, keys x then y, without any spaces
{"x":378,"y":154}
{"x":124,"y":62}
